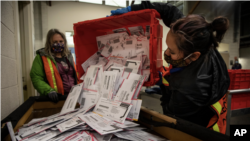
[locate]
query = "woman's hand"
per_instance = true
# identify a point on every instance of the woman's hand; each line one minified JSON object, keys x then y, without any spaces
{"x":120,"y":11}
{"x":53,"y":96}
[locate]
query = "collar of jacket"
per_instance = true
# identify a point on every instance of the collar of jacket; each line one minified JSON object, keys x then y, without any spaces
{"x":42,"y":52}
{"x":173,"y":70}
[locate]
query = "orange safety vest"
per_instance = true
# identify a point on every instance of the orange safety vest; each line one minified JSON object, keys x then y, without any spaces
{"x":165,"y":71}
{"x":53,"y":76}
{"x":219,"y":121}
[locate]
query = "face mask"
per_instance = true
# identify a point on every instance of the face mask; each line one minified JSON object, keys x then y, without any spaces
{"x":176,"y":63}
{"x":236,"y":62}
{"x":57,"y":47}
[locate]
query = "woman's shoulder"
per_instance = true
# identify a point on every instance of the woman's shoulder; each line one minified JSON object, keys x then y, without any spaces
{"x":41,"y":52}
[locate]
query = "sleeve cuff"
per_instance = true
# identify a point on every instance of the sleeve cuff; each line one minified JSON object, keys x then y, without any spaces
{"x":135,"y":7}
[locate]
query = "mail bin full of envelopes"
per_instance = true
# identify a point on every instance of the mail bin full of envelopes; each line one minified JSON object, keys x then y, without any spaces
{"x":131,"y":41}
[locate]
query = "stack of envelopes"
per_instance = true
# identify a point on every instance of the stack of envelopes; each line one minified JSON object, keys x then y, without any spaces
{"x":107,"y":97}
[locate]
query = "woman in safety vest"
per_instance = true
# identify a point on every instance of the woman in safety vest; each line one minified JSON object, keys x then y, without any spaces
{"x":195,"y":85}
{"x":53,"y":71}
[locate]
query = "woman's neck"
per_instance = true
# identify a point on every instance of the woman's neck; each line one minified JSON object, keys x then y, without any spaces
{"x":58,"y":55}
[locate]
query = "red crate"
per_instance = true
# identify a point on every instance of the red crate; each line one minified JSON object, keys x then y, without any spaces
{"x":240,"y":101}
{"x":241,"y":79}
{"x":85,"y":37}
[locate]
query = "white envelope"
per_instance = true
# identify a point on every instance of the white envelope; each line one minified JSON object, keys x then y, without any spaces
{"x":90,"y":61}
{"x":141,"y":79}
{"x":88,"y":99}
{"x":137,"y":30}
{"x":118,"y":60}
{"x":132,"y":110}
{"x":127,"y":90}
{"x":119,"y":79}
{"x":113,"y":110}
{"x":138,"y":135}
{"x":109,"y":79}
{"x":108,"y":65}
{"x":137,"y":110}
{"x":102,"y":125}
{"x":63,"y":136}
{"x":109,"y":38}
{"x":125,"y":50}
{"x":132,"y":66}
{"x":50,"y":134}
{"x":82,"y":136}
{"x":90,"y":78}
{"x":103,"y":137}
{"x":72,"y":98}
{"x":71,"y":123}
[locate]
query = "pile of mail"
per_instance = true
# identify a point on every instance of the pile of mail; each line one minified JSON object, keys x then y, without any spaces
{"x":101,"y":116}
{"x":107,"y":97}
{"x":128,"y":49}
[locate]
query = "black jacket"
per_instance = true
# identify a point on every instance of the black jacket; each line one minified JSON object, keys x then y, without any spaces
{"x":192,"y":90}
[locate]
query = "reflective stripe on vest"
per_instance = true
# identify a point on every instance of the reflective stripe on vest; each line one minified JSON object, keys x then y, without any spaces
{"x":52,"y":72}
{"x":218,"y":107}
{"x":216,"y":128}
{"x":218,"y":122}
{"x":165,"y":82}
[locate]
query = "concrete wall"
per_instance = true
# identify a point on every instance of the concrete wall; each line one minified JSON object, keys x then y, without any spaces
{"x":245,"y":58}
{"x":11,"y":94}
{"x":40,"y":23}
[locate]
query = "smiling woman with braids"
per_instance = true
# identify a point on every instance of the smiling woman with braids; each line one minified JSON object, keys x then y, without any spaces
{"x":198,"y":78}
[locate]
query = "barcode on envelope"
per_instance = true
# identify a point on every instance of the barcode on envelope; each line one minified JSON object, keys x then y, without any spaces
{"x":99,"y":44}
{"x":124,"y":105}
{"x":94,"y":118}
{"x":88,"y":138}
{"x":134,"y":85}
{"x":129,"y":42}
{"x":130,"y":115}
{"x":108,"y":82}
{"x":104,"y":106}
{"x":83,"y":101}
{"x":116,"y":41}
{"x":69,"y":104}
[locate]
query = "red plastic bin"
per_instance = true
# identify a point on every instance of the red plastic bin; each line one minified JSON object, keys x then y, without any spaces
{"x":240,"y":101}
{"x":85,"y":37}
{"x":241,"y":79}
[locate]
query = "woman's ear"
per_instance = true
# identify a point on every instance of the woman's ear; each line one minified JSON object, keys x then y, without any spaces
{"x":195,"y":56}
